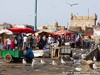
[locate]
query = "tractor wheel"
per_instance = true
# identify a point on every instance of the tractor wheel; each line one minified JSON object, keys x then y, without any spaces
{"x":8,"y":58}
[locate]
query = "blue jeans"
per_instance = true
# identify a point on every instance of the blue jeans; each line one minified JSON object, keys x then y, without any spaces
{"x":86,"y":44}
{"x":8,"y":47}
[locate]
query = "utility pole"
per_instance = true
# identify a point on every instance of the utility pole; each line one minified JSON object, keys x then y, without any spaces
{"x":88,"y":12}
{"x":35,"y":25}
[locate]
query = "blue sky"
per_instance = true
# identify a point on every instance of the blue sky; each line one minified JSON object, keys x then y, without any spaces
{"x":22,"y":11}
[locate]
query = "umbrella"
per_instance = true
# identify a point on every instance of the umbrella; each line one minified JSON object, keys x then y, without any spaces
{"x":15,"y":30}
{"x":22,"y":30}
{"x":28,"y":30}
{"x":6,"y":31}
{"x":60,"y":32}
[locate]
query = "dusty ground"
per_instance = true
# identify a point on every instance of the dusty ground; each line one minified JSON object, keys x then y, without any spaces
{"x":46,"y":69}
{"x":38,"y":69}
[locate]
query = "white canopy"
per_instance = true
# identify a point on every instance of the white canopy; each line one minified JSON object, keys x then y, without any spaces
{"x":6,"y":31}
{"x":96,"y":33}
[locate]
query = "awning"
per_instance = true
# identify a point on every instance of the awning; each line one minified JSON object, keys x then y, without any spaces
{"x":21,"y":30}
{"x":6,"y":31}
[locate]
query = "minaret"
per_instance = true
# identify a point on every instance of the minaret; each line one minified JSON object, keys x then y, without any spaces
{"x":95,"y":18}
{"x":55,"y":24}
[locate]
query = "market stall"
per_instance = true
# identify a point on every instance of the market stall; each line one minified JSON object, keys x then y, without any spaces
{"x":22,"y":30}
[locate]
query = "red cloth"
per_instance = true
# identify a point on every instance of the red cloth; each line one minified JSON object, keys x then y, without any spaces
{"x":12,"y":46}
{"x":22,"y":30}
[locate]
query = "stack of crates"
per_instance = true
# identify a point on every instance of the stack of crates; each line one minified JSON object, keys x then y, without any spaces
{"x":66,"y":51}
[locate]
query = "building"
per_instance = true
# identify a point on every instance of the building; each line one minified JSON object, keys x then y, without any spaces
{"x":97,"y":34}
{"x":83,"y":21}
{"x":1,"y":26}
{"x":5,"y":25}
{"x":8,"y":25}
{"x":55,"y":27}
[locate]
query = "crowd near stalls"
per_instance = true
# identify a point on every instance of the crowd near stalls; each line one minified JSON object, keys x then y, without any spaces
{"x":76,"y":39}
{"x":19,"y":38}
{"x":13,"y":38}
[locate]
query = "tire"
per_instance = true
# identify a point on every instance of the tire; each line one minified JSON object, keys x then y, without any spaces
{"x":8,"y":58}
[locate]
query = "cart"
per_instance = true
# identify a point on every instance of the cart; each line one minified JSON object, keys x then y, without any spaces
{"x":11,"y":55}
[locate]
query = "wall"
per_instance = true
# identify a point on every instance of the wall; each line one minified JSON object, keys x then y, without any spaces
{"x":83,"y":21}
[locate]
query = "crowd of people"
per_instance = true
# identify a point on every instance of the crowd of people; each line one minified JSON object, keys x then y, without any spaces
{"x":21,"y":41}
{"x":32,"y":42}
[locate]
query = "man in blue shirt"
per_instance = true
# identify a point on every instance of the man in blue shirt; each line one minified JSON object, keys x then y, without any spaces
{"x":29,"y":54}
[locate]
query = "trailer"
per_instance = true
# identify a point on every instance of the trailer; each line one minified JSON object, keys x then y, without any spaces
{"x":11,"y":55}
